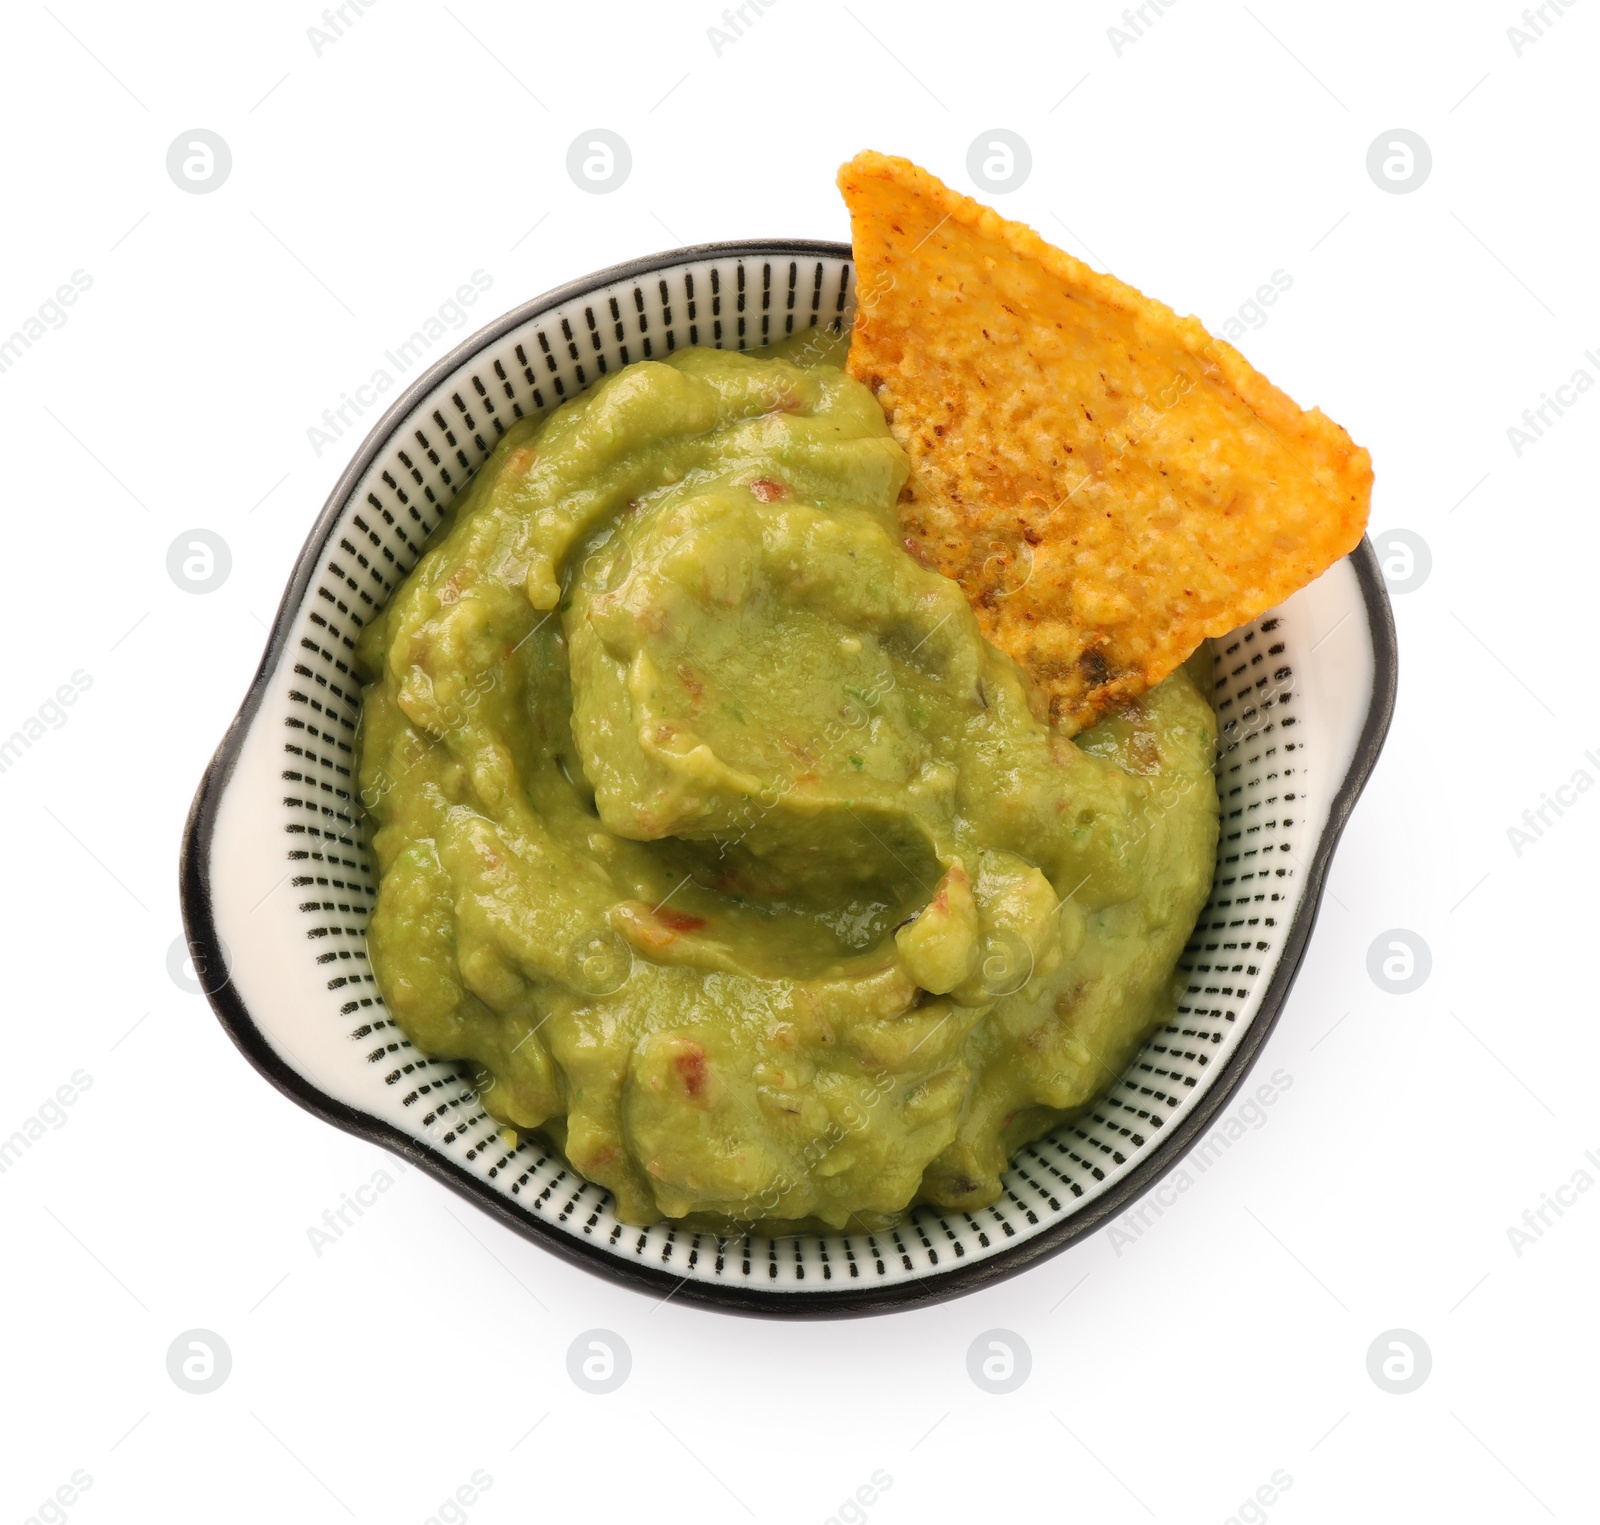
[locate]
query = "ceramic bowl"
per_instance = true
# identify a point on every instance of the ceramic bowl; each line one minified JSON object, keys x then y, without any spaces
{"x":277,"y":883}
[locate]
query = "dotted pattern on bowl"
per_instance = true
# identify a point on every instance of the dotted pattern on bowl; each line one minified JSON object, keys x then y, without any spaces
{"x":738,"y":304}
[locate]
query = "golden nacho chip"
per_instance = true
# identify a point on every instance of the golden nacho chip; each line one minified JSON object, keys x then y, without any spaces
{"x":1108,"y":483}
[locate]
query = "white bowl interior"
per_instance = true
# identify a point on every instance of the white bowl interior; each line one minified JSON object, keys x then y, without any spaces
{"x":291,"y":884}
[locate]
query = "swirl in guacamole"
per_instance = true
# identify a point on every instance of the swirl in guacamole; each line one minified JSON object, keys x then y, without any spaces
{"x":716,"y":839}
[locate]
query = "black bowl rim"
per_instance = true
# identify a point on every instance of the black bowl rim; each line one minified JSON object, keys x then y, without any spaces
{"x":922,"y":1291}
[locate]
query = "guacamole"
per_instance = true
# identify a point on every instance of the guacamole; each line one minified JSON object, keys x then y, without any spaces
{"x":714,"y":836}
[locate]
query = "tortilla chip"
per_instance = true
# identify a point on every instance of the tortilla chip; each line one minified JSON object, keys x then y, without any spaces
{"x":1108,"y":483}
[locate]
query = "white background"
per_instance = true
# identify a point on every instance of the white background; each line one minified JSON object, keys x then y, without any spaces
{"x":1169,"y":1380}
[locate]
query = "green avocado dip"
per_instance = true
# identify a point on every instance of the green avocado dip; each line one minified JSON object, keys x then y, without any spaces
{"x":716,"y":839}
